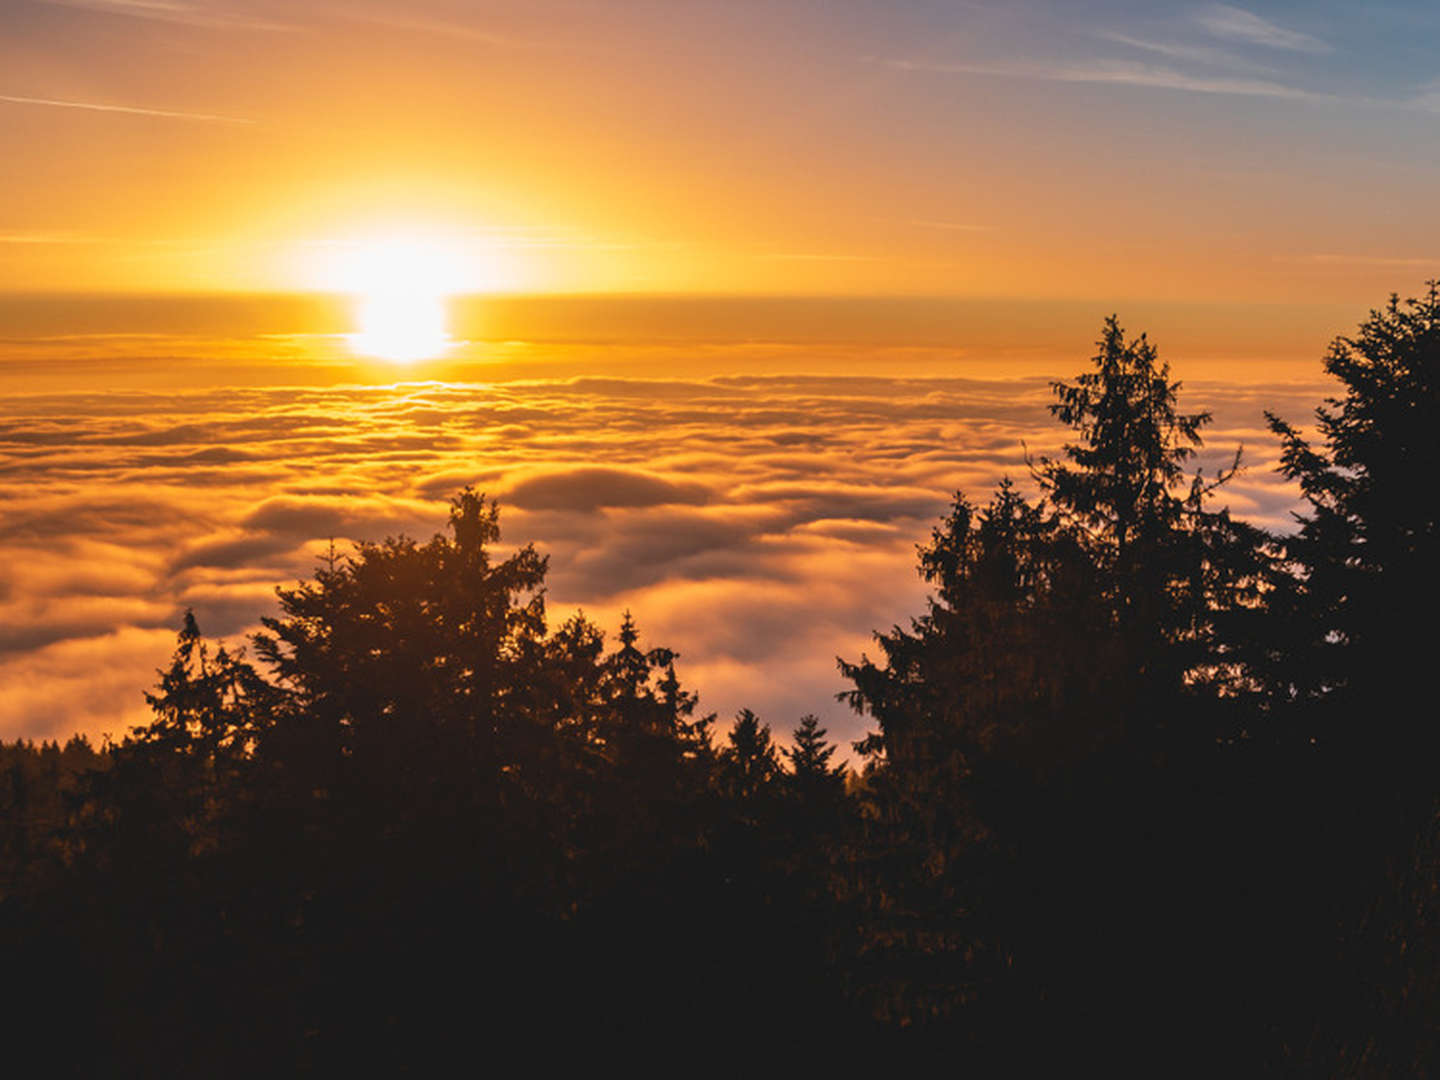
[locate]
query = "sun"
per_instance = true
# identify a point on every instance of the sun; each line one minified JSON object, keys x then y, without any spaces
{"x":400,"y":280}
{"x":401,"y":277}
{"x":403,"y":325}
{"x":401,"y":286}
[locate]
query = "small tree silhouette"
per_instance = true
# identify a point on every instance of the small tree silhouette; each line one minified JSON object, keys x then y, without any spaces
{"x":811,"y":774}
{"x":748,"y":763}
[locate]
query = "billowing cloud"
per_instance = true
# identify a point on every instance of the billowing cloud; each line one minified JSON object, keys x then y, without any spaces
{"x":592,"y":487}
{"x":760,"y":524}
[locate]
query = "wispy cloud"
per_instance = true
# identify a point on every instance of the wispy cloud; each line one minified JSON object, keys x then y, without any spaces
{"x":952,"y":226}
{"x":1340,"y":259}
{"x":818,"y":256}
{"x":1237,"y":24}
{"x":1171,"y":50}
{"x":44,"y":238}
{"x":1427,"y":96}
{"x":129,"y":110}
{"x":398,"y":17}
{"x":1124,"y":73}
{"x":174,"y":11}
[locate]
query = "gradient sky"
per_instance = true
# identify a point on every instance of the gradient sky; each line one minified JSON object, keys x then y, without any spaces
{"x":1275,"y":152}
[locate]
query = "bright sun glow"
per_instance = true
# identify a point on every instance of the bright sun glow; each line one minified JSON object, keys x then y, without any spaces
{"x":402,"y":281}
{"x":402,"y":286}
{"x":402,"y":326}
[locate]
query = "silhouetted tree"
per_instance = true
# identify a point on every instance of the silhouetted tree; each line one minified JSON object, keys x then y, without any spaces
{"x":408,"y":649}
{"x":1357,"y":647}
{"x":212,"y":708}
{"x":1070,"y":678}
{"x":173,"y":786}
{"x":649,"y":811}
{"x":38,"y":787}
{"x":1119,"y":578}
{"x":1368,"y":547}
{"x":1172,"y":572}
{"x":749,"y":763}
{"x":812,"y":778}
{"x":650,"y":713}
{"x":979,"y":703}
{"x":427,"y":774}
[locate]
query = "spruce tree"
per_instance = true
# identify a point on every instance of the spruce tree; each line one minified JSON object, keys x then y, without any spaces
{"x":749,"y":762}
{"x":812,"y":777}
{"x":1367,"y":553}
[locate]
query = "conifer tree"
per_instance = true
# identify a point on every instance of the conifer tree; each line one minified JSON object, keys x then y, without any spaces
{"x":749,"y":762}
{"x":408,"y":662}
{"x":1074,"y":662}
{"x":208,"y":707}
{"x":1173,"y":574}
{"x":1368,"y":549}
{"x":811,"y":774}
{"x":1355,"y":649}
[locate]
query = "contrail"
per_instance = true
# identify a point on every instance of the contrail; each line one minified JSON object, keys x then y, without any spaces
{"x":129,"y":109}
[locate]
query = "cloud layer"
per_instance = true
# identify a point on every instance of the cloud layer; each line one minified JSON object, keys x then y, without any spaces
{"x":760,"y":524}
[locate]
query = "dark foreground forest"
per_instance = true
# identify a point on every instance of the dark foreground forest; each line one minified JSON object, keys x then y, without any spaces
{"x":1147,"y":788}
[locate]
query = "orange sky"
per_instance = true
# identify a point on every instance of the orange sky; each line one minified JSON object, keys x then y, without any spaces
{"x":1150,"y":152}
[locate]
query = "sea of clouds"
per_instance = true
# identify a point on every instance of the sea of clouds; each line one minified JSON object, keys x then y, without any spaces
{"x":760,"y":524}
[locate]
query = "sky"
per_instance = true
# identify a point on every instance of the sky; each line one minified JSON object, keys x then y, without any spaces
{"x":1280,"y":152}
{"x":723,"y":302}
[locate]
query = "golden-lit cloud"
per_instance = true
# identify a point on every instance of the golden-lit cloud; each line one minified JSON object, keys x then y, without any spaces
{"x":759,"y":523}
